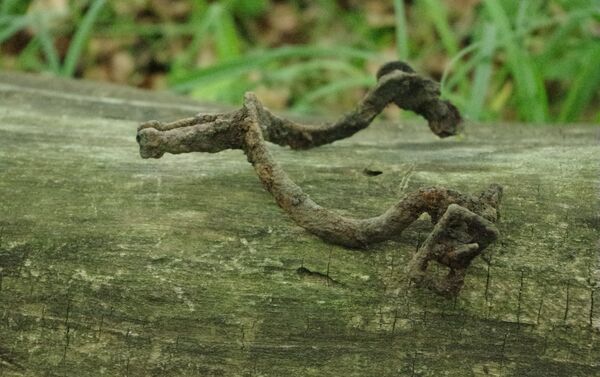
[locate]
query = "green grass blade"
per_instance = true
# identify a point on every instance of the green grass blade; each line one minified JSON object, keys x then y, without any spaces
{"x":17,"y":24}
{"x":566,"y":61}
{"x":50,"y":52}
{"x":402,"y":47}
{"x":244,"y":64}
{"x":573,"y":14}
{"x":29,"y":57}
{"x":452,"y":75}
{"x":305,"y":103}
{"x":483,"y":73}
{"x":585,"y":86}
{"x":227,"y":40}
{"x":8,"y":6}
{"x":202,"y":19}
{"x":532,"y":101}
{"x":523,"y":16}
{"x":47,"y":42}
{"x":165,"y":29}
{"x":303,"y":69}
{"x":458,"y":100}
{"x":79,"y":41}
{"x":223,"y":91}
{"x":436,"y":11}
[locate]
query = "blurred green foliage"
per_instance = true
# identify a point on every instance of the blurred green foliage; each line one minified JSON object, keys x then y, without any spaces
{"x":529,"y":60}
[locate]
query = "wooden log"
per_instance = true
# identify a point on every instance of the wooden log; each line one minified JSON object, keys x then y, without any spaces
{"x":114,"y":265}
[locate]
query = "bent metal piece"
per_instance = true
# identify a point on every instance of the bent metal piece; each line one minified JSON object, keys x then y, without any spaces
{"x":464,"y":223}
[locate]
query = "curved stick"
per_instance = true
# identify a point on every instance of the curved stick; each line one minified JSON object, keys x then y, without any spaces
{"x":329,"y":225}
{"x":396,"y":83}
{"x":465,"y":227}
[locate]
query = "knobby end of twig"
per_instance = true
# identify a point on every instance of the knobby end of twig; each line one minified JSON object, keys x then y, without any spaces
{"x":421,"y":95}
{"x":445,"y":120}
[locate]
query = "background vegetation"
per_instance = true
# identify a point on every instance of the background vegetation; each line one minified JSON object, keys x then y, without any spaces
{"x":529,"y":60}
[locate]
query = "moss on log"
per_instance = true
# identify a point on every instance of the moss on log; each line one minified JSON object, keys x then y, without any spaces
{"x":113,"y":265}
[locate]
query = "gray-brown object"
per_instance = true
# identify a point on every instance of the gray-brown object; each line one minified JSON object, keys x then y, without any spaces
{"x":249,"y":127}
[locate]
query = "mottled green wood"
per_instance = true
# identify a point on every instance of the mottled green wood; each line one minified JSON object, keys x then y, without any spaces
{"x":113,"y":265}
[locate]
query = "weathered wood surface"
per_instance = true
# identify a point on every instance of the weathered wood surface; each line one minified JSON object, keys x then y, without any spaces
{"x":113,"y":265}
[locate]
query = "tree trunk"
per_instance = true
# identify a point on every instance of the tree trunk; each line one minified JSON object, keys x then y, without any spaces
{"x":114,"y":265}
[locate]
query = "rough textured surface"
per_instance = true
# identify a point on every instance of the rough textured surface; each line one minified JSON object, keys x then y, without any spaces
{"x":119,"y":266}
{"x":252,"y":125}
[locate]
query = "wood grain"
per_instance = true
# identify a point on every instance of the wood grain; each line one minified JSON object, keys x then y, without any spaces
{"x":184,"y":266}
